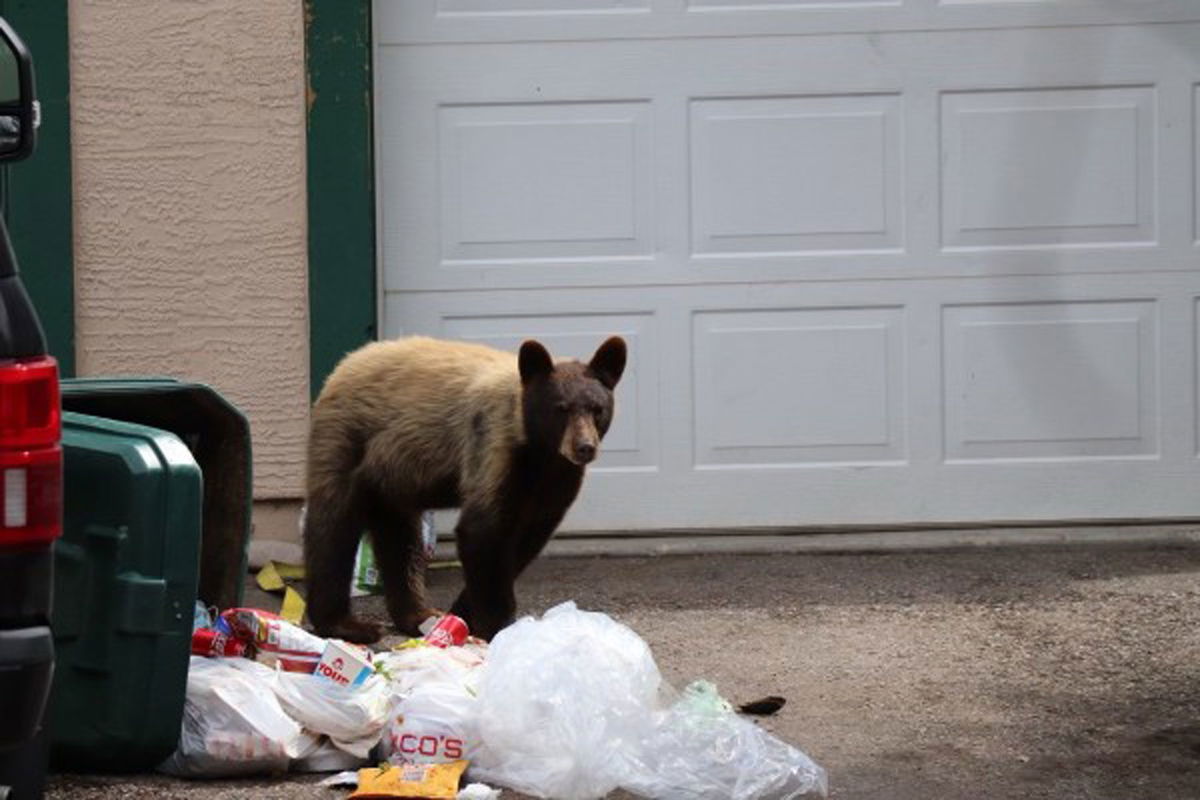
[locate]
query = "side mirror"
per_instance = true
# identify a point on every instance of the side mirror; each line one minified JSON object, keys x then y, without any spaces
{"x":19,"y":112}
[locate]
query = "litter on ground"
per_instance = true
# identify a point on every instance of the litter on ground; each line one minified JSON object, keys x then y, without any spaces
{"x":571,"y":705}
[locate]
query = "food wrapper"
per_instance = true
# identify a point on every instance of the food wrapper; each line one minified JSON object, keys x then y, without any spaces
{"x":437,"y":781}
{"x":276,"y":641}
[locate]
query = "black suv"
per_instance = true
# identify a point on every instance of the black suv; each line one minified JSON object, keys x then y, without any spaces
{"x":30,"y":472}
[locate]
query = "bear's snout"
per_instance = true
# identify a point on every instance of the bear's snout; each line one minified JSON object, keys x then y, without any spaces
{"x":581,"y":441}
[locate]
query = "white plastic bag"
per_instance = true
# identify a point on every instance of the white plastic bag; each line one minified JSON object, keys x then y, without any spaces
{"x":232,"y":723}
{"x":435,"y":724}
{"x":351,"y":716}
{"x":411,"y":667}
{"x":573,"y":706}
{"x":325,"y":756}
{"x":432,"y":718}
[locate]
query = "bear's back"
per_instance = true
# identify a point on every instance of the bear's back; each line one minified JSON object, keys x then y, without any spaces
{"x":421,"y":378}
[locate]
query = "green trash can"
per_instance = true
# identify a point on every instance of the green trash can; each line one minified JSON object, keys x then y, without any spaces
{"x":218,"y":434}
{"x":126,"y":571}
{"x":157,"y":504}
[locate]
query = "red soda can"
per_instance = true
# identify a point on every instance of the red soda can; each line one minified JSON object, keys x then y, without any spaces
{"x":209,"y":642}
{"x":449,"y":631}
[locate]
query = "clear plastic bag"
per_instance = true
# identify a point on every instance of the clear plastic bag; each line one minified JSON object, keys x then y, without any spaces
{"x":232,"y":725}
{"x":698,"y":749}
{"x":562,"y":700}
{"x":573,"y":706}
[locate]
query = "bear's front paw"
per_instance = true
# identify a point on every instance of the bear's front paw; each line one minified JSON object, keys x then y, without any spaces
{"x":353,"y":629}
{"x":410,"y":624}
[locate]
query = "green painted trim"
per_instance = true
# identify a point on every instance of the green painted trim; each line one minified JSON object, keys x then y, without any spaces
{"x":39,"y":188}
{"x":341,"y":182}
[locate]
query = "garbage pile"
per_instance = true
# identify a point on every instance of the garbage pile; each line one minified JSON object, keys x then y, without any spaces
{"x":569,"y":706}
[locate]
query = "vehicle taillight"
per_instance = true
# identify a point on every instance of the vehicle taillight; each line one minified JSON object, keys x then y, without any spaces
{"x":30,"y":452}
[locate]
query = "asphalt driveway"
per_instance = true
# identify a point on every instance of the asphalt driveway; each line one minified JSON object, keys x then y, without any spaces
{"x":1032,"y":672}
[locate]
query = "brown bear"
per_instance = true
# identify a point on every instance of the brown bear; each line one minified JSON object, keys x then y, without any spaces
{"x":416,"y":423}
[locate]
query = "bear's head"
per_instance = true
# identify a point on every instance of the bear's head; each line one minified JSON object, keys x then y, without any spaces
{"x":568,"y":405}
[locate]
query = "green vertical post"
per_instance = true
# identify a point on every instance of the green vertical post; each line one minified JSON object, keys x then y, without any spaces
{"x":39,"y":188}
{"x":341,"y":182}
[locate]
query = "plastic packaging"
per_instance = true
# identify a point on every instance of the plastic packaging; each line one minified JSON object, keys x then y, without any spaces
{"x":275,"y":640}
{"x":434,"y":690}
{"x":433,"y":781}
{"x":325,"y":756}
{"x":231,"y":726}
{"x":351,"y":716}
{"x":699,"y":749}
{"x":434,"y":724}
{"x":563,"y":700}
{"x":573,"y":706}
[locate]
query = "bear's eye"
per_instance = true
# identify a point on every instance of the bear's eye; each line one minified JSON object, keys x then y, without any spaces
{"x":560,"y":406}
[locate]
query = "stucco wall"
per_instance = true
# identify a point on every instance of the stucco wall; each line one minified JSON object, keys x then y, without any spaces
{"x":190,"y":256}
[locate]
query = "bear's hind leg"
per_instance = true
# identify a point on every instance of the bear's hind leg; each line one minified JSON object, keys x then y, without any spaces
{"x":331,"y":533}
{"x":399,"y":555}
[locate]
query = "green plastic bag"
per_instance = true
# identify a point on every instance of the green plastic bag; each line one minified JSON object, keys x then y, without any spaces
{"x":366,"y":572}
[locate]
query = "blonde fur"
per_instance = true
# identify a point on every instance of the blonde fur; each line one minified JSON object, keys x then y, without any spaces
{"x":413,"y":402}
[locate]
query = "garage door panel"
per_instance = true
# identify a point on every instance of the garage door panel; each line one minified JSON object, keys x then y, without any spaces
{"x":562,"y":181}
{"x":1051,"y":380}
{"x":1069,"y":451}
{"x":782,"y":174}
{"x":708,"y":185}
{"x":1049,"y":166}
{"x":425,"y":21}
{"x":796,"y":387}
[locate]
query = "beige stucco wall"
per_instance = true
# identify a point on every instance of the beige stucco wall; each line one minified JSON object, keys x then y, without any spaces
{"x":188,"y":123}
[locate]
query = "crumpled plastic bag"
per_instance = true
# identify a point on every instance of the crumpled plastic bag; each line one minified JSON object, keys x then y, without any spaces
{"x":351,"y":716}
{"x":573,"y":706}
{"x":562,"y":700}
{"x":699,"y":749}
{"x":325,"y":756}
{"x":421,"y":665}
{"x":231,"y":725}
{"x":434,"y":698}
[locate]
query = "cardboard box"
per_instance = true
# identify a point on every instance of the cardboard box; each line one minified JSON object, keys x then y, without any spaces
{"x":344,"y":664}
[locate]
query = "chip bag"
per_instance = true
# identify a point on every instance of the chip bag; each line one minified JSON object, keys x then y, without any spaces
{"x":275,"y":640}
{"x":436,"y":781}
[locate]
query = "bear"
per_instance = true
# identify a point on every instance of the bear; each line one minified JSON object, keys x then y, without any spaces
{"x":417,"y":423}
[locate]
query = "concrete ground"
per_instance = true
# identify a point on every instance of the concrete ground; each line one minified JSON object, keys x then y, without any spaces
{"x":1032,"y":672}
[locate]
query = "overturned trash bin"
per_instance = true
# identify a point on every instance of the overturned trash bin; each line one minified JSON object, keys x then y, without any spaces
{"x":156,"y":514}
{"x":218,"y":435}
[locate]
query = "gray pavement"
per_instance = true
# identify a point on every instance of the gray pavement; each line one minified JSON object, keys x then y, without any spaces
{"x":1044,"y":671}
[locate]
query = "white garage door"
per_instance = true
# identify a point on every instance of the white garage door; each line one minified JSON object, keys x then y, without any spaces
{"x":878,"y":262}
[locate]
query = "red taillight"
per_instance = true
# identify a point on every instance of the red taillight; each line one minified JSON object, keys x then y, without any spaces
{"x":30,"y":455}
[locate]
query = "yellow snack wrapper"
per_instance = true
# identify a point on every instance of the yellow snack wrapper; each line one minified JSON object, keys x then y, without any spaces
{"x":435,"y":781}
{"x":293,"y":606}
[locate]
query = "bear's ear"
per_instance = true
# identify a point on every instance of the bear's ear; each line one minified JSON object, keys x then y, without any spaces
{"x":534,"y":360}
{"x":609,"y":361}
